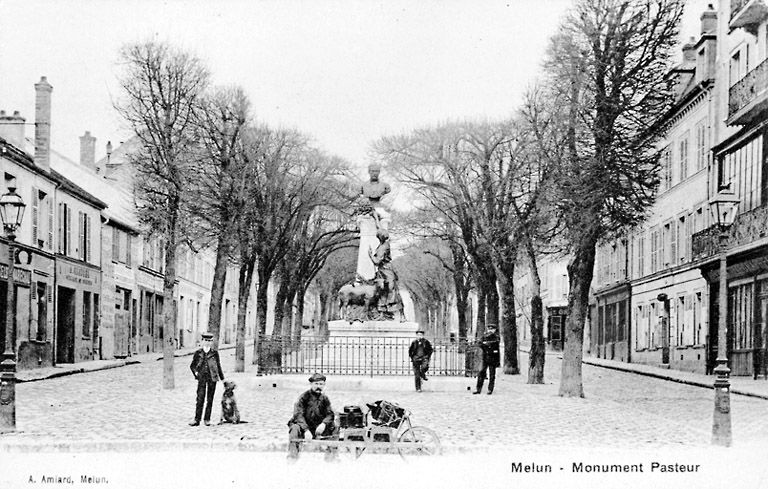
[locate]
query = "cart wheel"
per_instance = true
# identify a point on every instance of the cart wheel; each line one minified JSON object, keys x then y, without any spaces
{"x":425,"y":442}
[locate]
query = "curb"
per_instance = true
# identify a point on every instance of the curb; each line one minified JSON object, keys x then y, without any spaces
{"x":116,"y":364}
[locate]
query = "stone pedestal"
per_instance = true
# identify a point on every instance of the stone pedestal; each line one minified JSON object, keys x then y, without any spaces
{"x":372,"y":329}
{"x":369,"y":241}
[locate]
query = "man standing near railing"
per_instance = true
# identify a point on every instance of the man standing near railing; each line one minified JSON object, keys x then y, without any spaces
{"x":491,"y":359}
{"x":420,"y":351}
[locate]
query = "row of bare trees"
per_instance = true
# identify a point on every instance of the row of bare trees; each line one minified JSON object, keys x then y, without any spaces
{"x":575,"y":165}
{"x":207,"y":175}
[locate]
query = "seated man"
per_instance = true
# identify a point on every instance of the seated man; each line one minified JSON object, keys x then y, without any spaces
{"x":312,"y":417}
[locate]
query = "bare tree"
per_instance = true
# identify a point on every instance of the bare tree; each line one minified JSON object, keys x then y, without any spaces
{"x":161,"y":91}
{"x":606,"y":69}
{"x":222,"y":120}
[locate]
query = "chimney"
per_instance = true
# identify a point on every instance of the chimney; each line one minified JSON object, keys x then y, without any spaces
{"x":88,"y":150}
{"x":43,"y":124}
{"x":12,"y":128}
{"x":709,"y":20}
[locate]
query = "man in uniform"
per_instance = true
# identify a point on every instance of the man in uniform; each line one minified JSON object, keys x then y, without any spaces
{"x":420,"y":351}
{"x":489,"y":344}
{"x":206,"y":367}
{"x":312,"y":417}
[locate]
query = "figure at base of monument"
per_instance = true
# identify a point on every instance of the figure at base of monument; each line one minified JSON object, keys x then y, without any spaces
{"x":389,"y":302}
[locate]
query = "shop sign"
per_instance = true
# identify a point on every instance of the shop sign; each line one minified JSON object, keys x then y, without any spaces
{"x":78,"y":275}
{"x":20,"y":275}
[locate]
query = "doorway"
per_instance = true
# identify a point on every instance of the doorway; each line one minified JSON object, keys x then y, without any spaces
{"x":65,"y":326}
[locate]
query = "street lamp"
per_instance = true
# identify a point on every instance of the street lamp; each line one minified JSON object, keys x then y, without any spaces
{"x":11,"y":213}
{"x":723,"y":207}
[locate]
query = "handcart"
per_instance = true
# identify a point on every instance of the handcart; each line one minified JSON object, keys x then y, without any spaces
{"x":382,"y":427}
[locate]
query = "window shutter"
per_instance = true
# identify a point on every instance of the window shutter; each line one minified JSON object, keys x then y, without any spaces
{"x":61,"y":228}
{"x":88,"y":238}
{"x":35,"y":215}
{"x":68,"y":226}
{"x":80,"y":235}
{"x":50,"y":223}
{"x":128,"y":241}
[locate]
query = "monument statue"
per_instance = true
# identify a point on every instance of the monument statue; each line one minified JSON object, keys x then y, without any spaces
{"x":374,"y":189}
{"x":389,"y":301}
{"x":374,"y":295}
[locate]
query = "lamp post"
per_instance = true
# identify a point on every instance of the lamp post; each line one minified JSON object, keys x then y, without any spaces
{"x":723,"y":207}
{"x":11,"y":213}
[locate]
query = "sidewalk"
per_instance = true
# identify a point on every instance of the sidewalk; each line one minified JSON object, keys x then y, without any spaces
{"x":744,"y":386}
{"x":92,"y":366}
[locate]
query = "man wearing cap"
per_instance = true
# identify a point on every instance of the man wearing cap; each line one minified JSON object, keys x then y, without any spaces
{"x":206,"y":367}
{"x":489,"y":344}
{"x":420,"y":351}
{"x":312,"y":417}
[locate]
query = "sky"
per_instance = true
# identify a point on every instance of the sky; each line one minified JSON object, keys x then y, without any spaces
{"x":343,"y":72}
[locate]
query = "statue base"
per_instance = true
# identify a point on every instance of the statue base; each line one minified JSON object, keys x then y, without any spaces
{"x":372,"y":329}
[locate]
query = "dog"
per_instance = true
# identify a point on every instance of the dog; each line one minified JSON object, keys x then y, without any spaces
{"x":229,"y":411}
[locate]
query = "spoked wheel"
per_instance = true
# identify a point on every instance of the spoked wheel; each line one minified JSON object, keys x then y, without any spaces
{"x":424,"y":440}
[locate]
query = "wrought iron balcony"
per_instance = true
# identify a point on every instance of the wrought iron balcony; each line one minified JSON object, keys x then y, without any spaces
{"x":748,"y":14}
{"x":748,"y":98}
{"x":749,"y":227}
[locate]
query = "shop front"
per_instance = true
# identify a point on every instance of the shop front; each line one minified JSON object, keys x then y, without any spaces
{"x":78,"y":311}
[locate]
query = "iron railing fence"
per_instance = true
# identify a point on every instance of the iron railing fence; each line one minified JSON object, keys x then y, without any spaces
{"x":362,"y":355}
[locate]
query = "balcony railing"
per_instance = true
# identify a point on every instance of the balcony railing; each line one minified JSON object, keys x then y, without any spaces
{"x":748,"y":15}
{"x":748,"y":228}
{"x":748,"y":89}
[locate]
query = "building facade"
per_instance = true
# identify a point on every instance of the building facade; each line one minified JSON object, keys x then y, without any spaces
{"x":740,"y":168}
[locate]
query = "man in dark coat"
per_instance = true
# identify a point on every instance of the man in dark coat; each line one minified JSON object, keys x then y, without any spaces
{"x":206,"y":367}
{"x":312,"y":417}
{"x":420,"y":351}
{"x":489,"y":344}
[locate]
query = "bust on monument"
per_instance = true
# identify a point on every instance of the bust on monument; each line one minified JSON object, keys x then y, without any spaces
{"x":374,"y":189}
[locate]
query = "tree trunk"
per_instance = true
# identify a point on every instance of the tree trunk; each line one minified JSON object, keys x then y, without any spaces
{"x":298,"y":326}
{"x":508,"y":325}
{"x":580,"y":271}
{"x":282,"y":294}
{"x":261,"y":312}
{"x":169,"y":312}
{"x":480,"y":327}
{"x":537,"y":354}
{"x":243,"y":291}
{"x":217,"y":289}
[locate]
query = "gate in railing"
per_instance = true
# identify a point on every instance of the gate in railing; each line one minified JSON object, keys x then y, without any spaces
{"x":362,"y":355}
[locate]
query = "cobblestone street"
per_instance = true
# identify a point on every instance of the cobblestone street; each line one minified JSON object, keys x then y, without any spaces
{"x":621,"y":410}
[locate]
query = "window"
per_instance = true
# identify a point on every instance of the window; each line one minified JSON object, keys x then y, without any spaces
{"x":666,"y":169}
{"x":83,"y":250}
{"x":740,"y":308}
{"x":641,"y":256}
{"x":735,"y":68}
{"x":702,"y":145}
{"x":655,"y":249}
{"x":65,"y":229}
{"x":86,"y":313}
{"x":670,"y":244}
{"x":741,"y":171}
{"x":683,"y":238}
{"x":683,"y":153}
{"x":42,"y":311}
{"x":42,"y":207}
